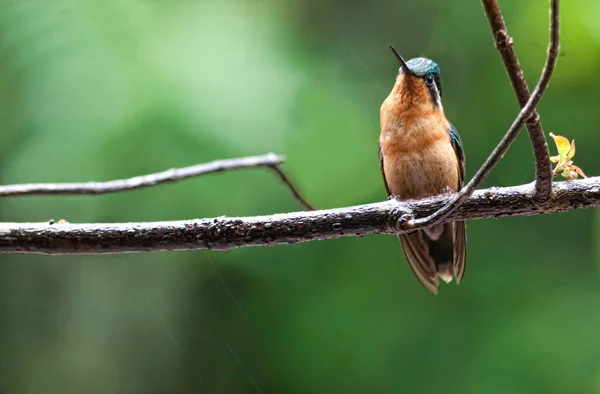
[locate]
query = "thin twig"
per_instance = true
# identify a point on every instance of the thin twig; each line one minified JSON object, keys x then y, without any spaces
{"x":269,"y":160}
{"x":510,"y":135}
{"x":227,"y":233}
{"x":504,"y":45}
{"x":285,"y":179}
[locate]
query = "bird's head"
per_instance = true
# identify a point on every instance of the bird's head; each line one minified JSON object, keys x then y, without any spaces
{"x":418,"y":82}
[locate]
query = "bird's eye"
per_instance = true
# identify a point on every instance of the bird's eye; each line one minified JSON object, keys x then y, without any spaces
{"x":429,"y":79}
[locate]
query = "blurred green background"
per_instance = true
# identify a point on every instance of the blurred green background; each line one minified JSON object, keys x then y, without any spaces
{"x":105,"y":89}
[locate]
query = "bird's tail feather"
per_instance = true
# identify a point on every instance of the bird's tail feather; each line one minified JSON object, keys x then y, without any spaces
{"x":436,"y":252}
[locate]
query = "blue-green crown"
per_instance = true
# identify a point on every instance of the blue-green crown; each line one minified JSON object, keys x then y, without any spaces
{"x":421,"y":66}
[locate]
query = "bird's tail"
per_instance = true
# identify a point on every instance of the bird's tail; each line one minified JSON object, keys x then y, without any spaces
{"x":439,"y":251}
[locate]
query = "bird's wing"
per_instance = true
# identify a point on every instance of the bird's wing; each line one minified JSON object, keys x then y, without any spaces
{"x":460,"y":232}
{"x":460,"y":154}
{"x":387,"y":189}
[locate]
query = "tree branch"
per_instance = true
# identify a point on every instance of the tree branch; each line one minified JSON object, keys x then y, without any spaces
{"x":389,"y":217}
{"x":504,"y":44}
{"x":228,"y":233}
{"x":510,"y":135}
{"x":269,"y":160}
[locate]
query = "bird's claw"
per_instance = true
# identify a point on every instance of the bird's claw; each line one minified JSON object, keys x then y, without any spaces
{"x":446,"y":190}
{"x":406,"y":221}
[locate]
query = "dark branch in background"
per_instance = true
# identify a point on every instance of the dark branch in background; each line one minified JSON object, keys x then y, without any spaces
{"x":270,"y":160}
{"x":229,"y":233}
{"x":504,"y":45}
{"x":510,"y":135}
{"x":284,"y":178}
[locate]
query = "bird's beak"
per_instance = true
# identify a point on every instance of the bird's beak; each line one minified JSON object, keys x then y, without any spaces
{"x":401,"y":61}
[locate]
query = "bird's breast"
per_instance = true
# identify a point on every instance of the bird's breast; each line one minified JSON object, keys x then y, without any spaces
{"x":419,"y":161}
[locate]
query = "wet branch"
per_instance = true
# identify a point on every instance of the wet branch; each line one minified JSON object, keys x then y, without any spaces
{"x":270,"y":160}
{"x":389,"y":217}
{"x":504,"y":44}
{"x":225,"y":233}
{"x":510,"y":135}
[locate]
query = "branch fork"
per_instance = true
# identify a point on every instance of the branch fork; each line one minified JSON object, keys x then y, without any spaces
{"x":543,"y":184}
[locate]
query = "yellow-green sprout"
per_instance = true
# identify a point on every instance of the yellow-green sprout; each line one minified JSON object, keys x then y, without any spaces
{"x":563,"y":160}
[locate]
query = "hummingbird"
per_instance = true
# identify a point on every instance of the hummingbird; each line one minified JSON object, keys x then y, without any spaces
{"x":421,"y":155}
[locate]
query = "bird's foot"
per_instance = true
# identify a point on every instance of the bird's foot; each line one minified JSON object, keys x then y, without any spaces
{"x":393,"y":197}
{"x":446,"y":190}
{"x":406,"y":221}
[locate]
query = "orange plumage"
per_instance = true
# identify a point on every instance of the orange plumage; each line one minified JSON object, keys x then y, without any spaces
{"x":420,"y":160}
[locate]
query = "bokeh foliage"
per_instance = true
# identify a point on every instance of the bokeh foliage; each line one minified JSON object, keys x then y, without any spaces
{"x":104,"y":89}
